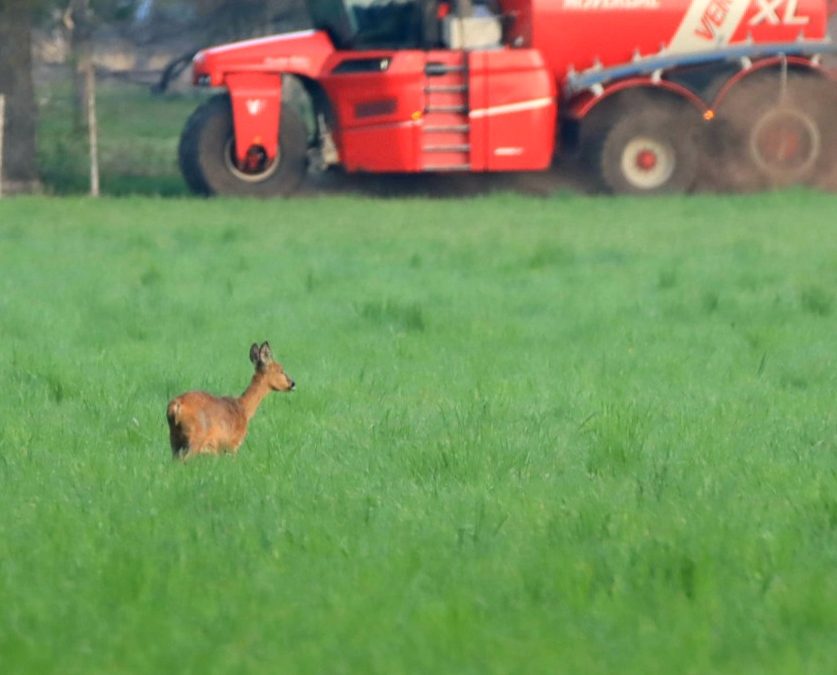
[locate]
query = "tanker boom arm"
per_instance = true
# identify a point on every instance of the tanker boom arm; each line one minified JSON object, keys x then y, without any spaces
{"x":596,"y":79}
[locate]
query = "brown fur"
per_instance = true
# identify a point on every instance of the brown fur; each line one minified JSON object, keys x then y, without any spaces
{"x":200,"y":423}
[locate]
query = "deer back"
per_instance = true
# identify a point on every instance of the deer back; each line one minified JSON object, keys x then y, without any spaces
{"x":206,"y":422}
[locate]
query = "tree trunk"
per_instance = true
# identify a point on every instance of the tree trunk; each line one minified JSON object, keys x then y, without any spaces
{"x":20,"y":164}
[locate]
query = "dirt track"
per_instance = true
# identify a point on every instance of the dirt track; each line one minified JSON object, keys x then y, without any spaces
{"x":448,"y":185}
{"x":568,"y":178}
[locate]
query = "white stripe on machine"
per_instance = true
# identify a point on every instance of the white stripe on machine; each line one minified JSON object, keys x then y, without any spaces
{"x":509,"y":108}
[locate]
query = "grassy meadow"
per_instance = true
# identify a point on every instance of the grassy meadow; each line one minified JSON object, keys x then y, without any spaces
{"x":564,"y":435}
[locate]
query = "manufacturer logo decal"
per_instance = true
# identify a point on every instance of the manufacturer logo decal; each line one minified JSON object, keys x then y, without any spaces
{"x":255,"y":106}
{"x":713,"y":20}
{"x":708,"y":23}
{"x":288,"y":62}
{"x":769,"y":12}
{"x":712,"y":23}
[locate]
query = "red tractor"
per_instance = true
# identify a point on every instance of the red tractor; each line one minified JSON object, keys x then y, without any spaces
{"x":650,"y":93}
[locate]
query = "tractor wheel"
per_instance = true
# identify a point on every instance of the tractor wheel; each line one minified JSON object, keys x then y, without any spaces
{"x":650,"y":149}
{"x":772,"y":134}
{"x":207,"y":154}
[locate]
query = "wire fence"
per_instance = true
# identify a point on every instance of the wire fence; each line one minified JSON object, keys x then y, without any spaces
{"x":135,"y":146}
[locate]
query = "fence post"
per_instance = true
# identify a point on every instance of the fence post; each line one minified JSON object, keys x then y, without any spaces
{"x":93,"y":129}
{"x":2,"y":133}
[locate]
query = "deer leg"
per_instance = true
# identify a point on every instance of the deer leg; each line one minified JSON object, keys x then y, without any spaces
{"x":178,"y":440}
{"x":201,"y":446}
{"x":192,"y":450}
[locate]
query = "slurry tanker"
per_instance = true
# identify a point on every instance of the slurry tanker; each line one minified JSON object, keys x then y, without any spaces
{"x":651,"y":95}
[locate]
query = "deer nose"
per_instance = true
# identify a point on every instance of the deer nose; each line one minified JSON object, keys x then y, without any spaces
{"x":293,"y":385}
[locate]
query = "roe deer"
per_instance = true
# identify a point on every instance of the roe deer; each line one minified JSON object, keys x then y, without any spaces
{"x":202,"y":423}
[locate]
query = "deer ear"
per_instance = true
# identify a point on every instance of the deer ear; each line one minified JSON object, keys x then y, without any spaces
{"x":254,"y":353}
{"x":265,"y":355}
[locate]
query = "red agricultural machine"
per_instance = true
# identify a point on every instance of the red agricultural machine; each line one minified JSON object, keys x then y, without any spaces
{"x":651,"y":94}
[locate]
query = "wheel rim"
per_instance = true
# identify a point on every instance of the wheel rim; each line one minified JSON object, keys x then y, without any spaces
{"x":785,"y":143}
{"x":257,"y":167}
{"x":648,"y":163}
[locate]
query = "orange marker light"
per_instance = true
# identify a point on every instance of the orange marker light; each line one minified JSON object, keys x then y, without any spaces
{"x":709,"y":115}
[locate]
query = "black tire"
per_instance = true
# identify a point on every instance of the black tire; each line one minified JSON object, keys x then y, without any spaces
{"x":206,"y":147}
{"x":772,"y":134}
{"x":649,"y":149}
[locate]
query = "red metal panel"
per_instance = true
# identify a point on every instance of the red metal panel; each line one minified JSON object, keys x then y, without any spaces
{"x":377,"y":112}
{"x":388,"y":147}
{"x":520,"y":111}
{"x":478,"y":100}
{"x":256,"y":104}
{"x":302,"y":53}
{"x":400,"y":82}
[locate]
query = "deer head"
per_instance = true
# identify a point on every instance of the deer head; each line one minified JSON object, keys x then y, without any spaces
{"x":268,"y":368}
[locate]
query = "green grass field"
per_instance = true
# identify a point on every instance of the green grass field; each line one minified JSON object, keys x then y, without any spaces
{"x":565,"y":435}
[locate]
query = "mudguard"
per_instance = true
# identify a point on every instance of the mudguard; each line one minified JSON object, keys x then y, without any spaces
{"x":252,"y":72}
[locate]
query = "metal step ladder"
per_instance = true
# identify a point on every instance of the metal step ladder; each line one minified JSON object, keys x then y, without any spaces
{"x":445,"y":142}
